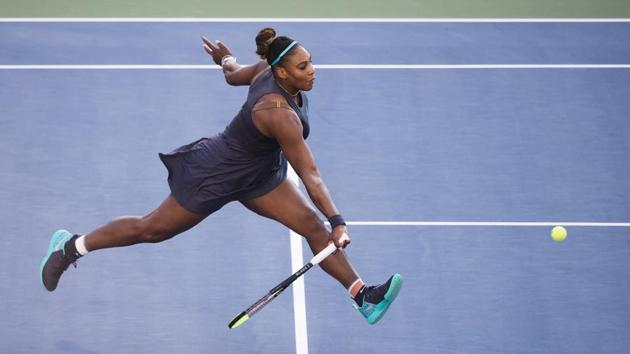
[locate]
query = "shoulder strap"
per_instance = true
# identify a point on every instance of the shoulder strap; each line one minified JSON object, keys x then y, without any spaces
{"x":270,"y":105}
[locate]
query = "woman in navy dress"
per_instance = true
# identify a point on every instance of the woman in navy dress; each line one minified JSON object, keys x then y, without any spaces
{"x":247,"y":162}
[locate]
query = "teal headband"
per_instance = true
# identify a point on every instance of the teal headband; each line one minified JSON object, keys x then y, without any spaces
{"x":288,"y":48}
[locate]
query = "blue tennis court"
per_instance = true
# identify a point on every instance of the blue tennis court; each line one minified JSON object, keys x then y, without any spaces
{"x":445,"y":143}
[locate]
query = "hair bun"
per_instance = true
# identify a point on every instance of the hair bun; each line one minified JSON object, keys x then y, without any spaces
{"x":263,"y":40}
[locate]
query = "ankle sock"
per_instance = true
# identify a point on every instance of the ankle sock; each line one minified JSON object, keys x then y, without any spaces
{"x":80,"y":245}
{"x":355,"y":291}
{"x":70,"y":249}
{"x":358,"y":298}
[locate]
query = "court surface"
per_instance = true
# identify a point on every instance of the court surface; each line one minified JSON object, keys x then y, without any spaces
{"x":448,"y":143}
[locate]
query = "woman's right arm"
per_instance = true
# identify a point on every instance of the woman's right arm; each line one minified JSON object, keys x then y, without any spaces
{"x":238,"y":75}
{"x":235,"y":74}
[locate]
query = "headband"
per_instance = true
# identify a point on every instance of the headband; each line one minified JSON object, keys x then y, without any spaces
{"x":284,"y":52}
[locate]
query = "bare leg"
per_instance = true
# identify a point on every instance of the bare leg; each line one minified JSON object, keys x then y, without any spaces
{"x":289,"y":206}
{"x":168,"y":220}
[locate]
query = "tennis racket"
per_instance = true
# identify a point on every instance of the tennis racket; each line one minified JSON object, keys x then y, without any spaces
{"x":273,"y":293}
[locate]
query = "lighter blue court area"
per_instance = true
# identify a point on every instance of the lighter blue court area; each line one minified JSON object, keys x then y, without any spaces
{"x":79,"y":147}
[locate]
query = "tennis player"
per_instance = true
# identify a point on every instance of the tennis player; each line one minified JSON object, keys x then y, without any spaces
{"x":247,"y":162}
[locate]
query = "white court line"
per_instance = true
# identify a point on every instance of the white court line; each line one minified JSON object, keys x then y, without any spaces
{"x":299,"y":296}
{"x":490,"y":223}
{"x":473,"y":66}
{"x":313,"y":20}
{"x":319,"y":66}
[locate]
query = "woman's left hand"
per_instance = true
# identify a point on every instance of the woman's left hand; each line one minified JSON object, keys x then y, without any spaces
{"x":217,"y":50}
{"x":337,"y":236}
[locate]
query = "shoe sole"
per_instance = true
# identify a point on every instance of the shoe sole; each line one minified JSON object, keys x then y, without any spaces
{"x":55,"y":240}
{"x":389,"y":297}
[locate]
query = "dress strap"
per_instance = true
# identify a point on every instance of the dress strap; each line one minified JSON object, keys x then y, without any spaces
{"x":270,"y":105}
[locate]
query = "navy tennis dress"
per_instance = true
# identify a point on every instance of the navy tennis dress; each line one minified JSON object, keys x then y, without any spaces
{"x":238,"y":164}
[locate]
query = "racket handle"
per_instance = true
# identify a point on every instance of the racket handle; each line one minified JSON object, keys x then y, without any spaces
{"x":328,"y":250}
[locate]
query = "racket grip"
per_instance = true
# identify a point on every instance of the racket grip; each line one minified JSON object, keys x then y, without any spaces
{"x":323,"y":254}
{"x":328,"y":250}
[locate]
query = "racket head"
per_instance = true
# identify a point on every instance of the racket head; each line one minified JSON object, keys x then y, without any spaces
{"x":239,"y":320}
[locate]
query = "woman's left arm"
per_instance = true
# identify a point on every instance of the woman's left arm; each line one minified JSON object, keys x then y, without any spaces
{"x":286,"y":128}
{"x":235,"y":74}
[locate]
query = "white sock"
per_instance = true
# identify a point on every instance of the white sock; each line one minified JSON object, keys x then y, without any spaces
{"x":358,"y":281}
{"x":80,"y":245}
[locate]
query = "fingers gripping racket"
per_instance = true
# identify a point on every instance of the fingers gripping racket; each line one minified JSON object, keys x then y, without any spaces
{"x":273,"y":293}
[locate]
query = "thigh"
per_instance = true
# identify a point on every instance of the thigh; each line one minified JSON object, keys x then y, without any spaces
{"x":288,"y":205}
{"x":170,"y":218}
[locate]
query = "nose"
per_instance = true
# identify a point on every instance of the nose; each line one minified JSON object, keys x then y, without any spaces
{"x":310,"y":69}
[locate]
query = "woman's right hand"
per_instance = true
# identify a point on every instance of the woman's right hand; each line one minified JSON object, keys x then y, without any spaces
{"x":339,"y":236}
{"x":217,"y":50}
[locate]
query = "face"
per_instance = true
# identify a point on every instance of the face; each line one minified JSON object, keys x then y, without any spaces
{"x":297,"y":71}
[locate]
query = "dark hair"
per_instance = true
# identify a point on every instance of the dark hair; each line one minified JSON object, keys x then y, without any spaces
{"x":263,"y":40}
{"x":269,"y":47}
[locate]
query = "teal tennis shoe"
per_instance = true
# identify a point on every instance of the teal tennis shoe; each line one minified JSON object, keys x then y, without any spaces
{"x":377,"y":299}
{"x":56,"y":261}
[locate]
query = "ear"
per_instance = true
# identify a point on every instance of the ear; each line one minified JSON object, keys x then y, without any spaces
{"x":282,"y":73}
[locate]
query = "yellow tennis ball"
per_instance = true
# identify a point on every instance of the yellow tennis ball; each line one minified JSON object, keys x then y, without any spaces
{"x":558,"y":233}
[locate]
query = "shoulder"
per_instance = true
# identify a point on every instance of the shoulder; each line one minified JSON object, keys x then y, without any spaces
{"x":271,"y":97}
{"x":273,"y":106}
{"x":273,"y":116}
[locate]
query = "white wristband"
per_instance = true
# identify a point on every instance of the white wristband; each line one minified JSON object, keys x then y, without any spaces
{"x":227,"y":58}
